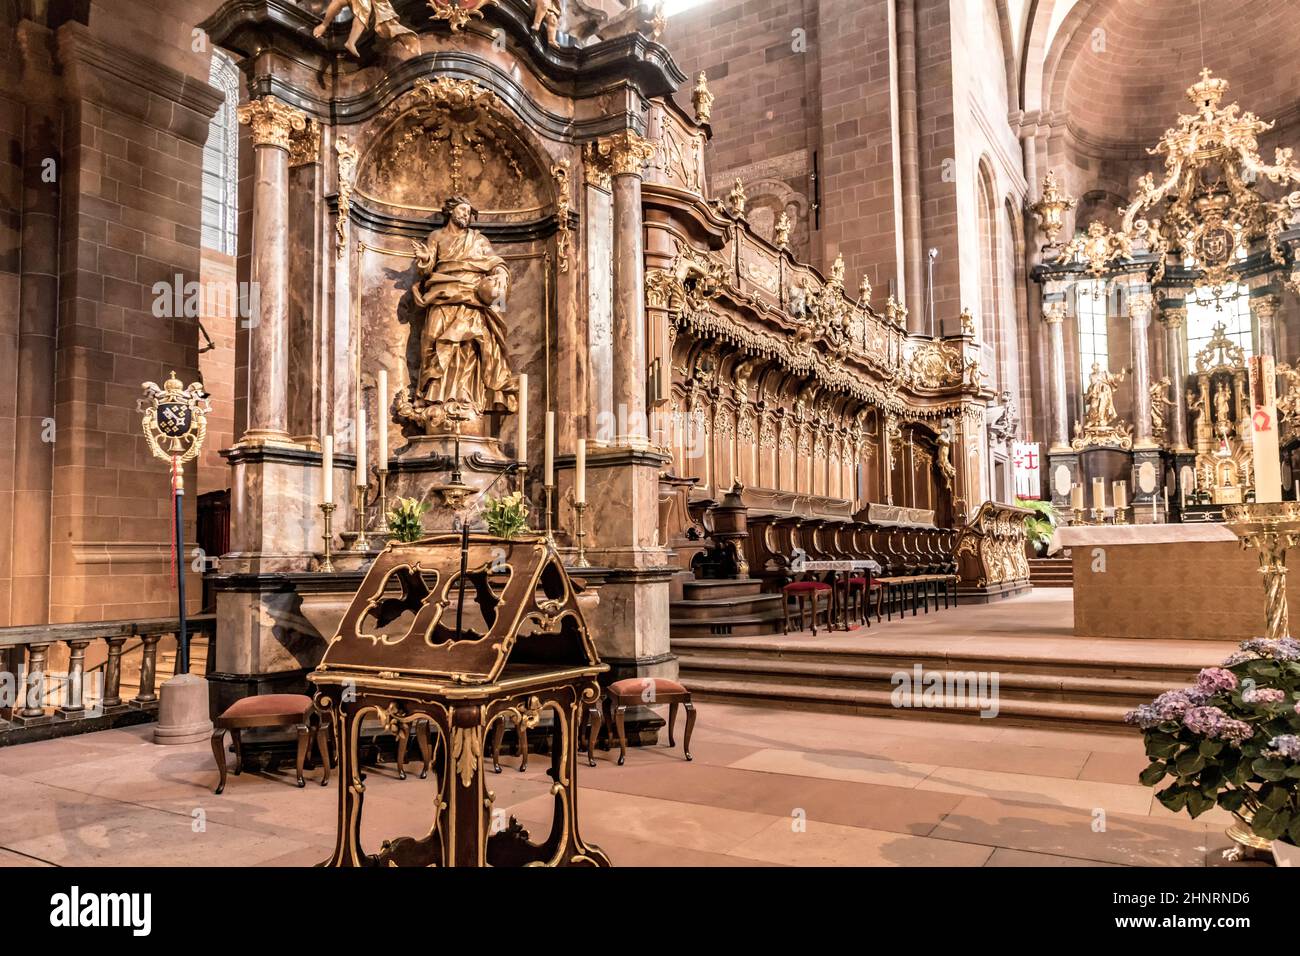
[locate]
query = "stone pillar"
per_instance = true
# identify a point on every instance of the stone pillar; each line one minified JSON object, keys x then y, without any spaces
{"x":1140,"y":305}
{"x":1263,"y":307}
{"x":271,"y":123}
{"x":628,"y":153}
{"x":1058,"y":416}
{"x":1173,"y":316}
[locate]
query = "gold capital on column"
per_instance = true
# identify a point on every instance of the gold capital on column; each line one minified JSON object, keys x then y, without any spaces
{"x":1140,"y":305}
{"x":1264,"y":307}
{"x":627,"y":152}
{"x":1173,"y":318}
{"x":1054,"y":312}
{"x":271,"y":121}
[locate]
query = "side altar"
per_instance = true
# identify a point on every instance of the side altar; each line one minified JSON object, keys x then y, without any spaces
{"x":491,"y":261}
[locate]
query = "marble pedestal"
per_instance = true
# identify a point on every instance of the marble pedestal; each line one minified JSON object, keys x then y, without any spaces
{"x":630,"y":625}
{"x":1062,"y":472}
{"x":1147,"y":485}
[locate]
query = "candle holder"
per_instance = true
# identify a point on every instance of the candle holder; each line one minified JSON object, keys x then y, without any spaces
{"x":1098,"y":515}
{"x":547,"y":492}
{"x":579,"y":509}
{"x":360,"y":543}
{"x":1080,"y":516}
{"x":382,"y":473}
{"x":1121,"y":515}
{"x":327,"y":509}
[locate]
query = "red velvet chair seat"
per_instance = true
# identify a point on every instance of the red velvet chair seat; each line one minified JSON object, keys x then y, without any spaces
{"x":635,"y":686}
{"x":806,"y":586}
{"x":268,"y":705}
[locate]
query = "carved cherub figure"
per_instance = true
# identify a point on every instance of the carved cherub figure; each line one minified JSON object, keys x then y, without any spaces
{"x":377,"y":15}
{"x":546,"y":13}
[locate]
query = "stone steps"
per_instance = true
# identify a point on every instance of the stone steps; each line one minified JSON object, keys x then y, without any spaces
{"x":744,"y":625}
{"x":736,"y":607}
{"x":1051,"y":572}
{"x":879,"y":703}
{"x":743,"y":606}
{"x":704,"y":589}
{"x":1034,"y":688}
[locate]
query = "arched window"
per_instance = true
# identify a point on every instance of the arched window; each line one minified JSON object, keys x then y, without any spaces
{"x":990,"y":304}
{"x":221,"y":160}
{"x":1091,"y":307}
{"x":1232,"y":308}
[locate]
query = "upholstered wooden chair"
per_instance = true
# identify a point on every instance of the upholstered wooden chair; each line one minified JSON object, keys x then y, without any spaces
{"x":270,"y":710}
{"x":811,"y":592}
{"x":648,"y":691}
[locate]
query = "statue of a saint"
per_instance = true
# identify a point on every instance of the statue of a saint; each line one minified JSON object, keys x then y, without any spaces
{"x":1100,"y":396}
{"x":1159,"y":402}
{"x":462,"y":285}
{"x":1222,"y":412}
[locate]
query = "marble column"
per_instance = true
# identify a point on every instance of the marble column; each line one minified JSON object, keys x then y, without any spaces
{"x":1059,"y":416}
{"x":1264,"y":309}
{"x":272,"y":122}
{"x":1174,"y":317}
{"x":1140,"y":305}
{"x":627,"y":153}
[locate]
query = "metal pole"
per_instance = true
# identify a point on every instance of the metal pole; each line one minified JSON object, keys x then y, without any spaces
{"x":182,"y":635}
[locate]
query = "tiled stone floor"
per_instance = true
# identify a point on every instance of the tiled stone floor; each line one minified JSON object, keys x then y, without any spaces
{"x":766,"y":787}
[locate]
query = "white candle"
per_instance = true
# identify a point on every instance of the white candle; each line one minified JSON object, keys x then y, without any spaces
{"x":1076,"y":497}
{"x":381,"y":425}
{"x":580,"y":476}
{"x":521,"y":443}
{"x":1120,"y":490}
{"x":327,"y":471}
{"x":1297,"y":491}
{"x":1155,"y":512}
{"x":1099,"y":493}
{"x":361,"y":445}
{"x":548,"y":453}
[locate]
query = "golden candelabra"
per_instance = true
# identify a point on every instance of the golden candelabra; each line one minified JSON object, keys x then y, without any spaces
{"x":361,"y":544}
{"x":547,"y":492}
{"x":1121,"y":516}
{"x":327,"y":509}
{"x":382,"y":528}
{"x":579,"y":507}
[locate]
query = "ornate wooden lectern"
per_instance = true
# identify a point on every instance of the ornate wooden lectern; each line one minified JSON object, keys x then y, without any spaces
{"x":462,"y":632}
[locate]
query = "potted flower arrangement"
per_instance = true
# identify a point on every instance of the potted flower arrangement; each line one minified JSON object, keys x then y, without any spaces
{"x":1233,"y":740}
{"x":406,"y":519}
{"x":506,"y":515}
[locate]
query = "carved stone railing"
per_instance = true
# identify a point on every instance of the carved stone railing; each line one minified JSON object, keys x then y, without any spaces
{"x":990,"y":552}
{"x":70,"y":700}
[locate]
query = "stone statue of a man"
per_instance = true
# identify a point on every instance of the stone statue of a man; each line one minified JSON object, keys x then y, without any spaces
{"x":461,"y":285}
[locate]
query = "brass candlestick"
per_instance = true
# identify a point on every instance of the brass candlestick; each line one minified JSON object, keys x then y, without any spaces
{"x":361,"y":544}
{"x":547,"y":492}
{"x":382,"y":472}
{"x":1080,"y":516}
{"x":327,"y":509}
{"x":579,"y":507}
{"x":1098,"y":515}
{"x":1121,"y":515}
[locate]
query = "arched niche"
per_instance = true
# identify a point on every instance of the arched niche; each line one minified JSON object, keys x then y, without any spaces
{"x":450,"y":136}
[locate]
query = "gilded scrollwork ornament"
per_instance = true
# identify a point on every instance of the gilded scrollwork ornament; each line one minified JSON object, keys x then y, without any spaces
{"x":347,"y":154}
{"x":563,"y":235}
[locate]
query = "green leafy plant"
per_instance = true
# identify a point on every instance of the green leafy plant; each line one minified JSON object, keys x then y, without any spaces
{"x":506,"y":515}
{"x":1232,"y":740}
{"x":406,"y":519}
{"x":1040,"y":525}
